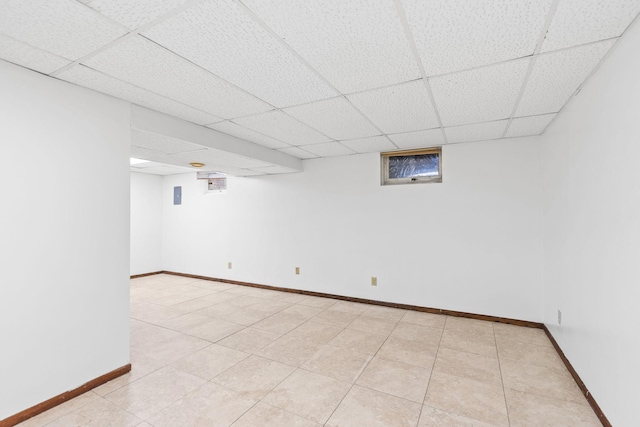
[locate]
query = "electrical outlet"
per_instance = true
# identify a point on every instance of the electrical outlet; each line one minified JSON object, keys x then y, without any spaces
{"x":374,"y":281}
{"x":229,"y":265}
{"x":297,"y":270}
{"x":559,"y":317}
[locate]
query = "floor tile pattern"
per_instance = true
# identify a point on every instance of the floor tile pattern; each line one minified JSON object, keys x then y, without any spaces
{"x":205,"y":353}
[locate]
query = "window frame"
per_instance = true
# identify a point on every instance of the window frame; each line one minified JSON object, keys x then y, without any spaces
{"x":384,"y":167}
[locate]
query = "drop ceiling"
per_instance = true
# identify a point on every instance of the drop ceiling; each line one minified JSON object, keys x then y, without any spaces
{"x":320,"y":78}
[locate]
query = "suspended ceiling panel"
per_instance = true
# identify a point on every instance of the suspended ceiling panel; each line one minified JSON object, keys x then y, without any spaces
{"x":400,"y":108}
{"x":133,"y":14}
{"x":65,"y":28}
{"x":533,"y":125}
{"x":476,"y":132}
{"x":87,"y":77}
{"x":242,"y":132}
{"x":479,"y":95}
{"x":577,"y":22}
{"x":335,"y":117}
{"x":374,"y":144}
{"x":28,"y":56}
{"x":158,"y":70}
{"x":222,"y":38}
{"x":356,"y":45}
{"x":454,"y":35}
{"x":307,"y":78}
{"x":556,"y":76}
{"x":279,"y":125}
{"x":422,"y":138}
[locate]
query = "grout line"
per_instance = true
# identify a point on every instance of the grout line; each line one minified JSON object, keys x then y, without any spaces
{"x":504,"y":392}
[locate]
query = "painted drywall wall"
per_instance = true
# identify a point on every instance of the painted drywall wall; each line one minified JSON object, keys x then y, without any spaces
{"x":472,"y":243}
{"x":146,"y":223}
{"x":64,"y":216}
{"x":592,"y":232}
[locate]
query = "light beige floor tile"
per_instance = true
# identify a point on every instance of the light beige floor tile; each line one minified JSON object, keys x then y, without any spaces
{"x":249,"y":340}
{"x":335,"y":317}
{"x":373,"y":324}
{"x":137,"y":325}
{"x":466,"y":397}
{"x":432,"y":417}
{"x":309,"y":395}
{"x":411,"y":332}
{"x":532,"y":410}
{"x":193,"y":305}
{"x":141,"y":365}
{"x":369,"y":408}
{"x":469,"y":342}
{"x":154,"y":392}
{"x":469,"y":365}
{"x":529,"y":353}
{"x":290,"y":350}
{"x":210,"y":361}
{"x":173,"y":349}
{"x":269,"y":306}
{"x":464,"y":324}
{"x":301,"y":311}
{"x":318,"y":302}
{"x":152,"y":335}
{"x":264,"y":415}
{"x":220,"y":297}
{"x":153,"y":313}
{"x":339,"y":363}
{"x":219,"y":310}
{"x":383,"y":312}
{"x":211,"y":285}
{"x":396,"y":378}
{"x":521,"y":334}
{"x":60,"y":410}
{"x":98,"y":413}
{"x":540,"y":380}
{"x":245,"y":301}
{"x":208,"y":405}
{"x":172,"y":298}
{"x":350,"y":307}
{"x":214,"y":330}
{"x":363,"y":342}
{"x":185,"y":322}
{"x":289,"y":297}
{"x":279,"y":323}
{"x":424,"y":319}
{"x":412,"y":352}
{"x":320,"y":333}
{"x":246,"y":317}
{"x":254,"y":377}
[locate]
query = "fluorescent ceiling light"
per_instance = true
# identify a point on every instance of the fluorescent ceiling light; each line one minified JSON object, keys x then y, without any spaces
{"x":134,"y":161}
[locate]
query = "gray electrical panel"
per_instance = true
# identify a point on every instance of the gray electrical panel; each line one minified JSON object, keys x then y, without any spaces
{"x":177,"y":195}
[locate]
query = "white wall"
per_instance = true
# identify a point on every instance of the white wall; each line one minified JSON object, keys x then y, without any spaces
{"x":146,"y":223}
{"x":64,"y":219}
{"x":592,"y":232}
{"x":472,"y":243}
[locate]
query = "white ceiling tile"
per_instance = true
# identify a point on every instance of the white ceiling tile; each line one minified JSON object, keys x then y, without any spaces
{"x":556,"y":76}
{"x":283,"y":127}
{"x":577,"y":22}
{"x":454,"y":35}
{"x":374,"y":144}
{"x":476,"y":132}
{"x":221,"y":37}
{"x":28,"y":56}
{"x":525,"y":126}
{"x":147,"y":65}
{"x":329,"y":149}
{"x":214,"y":159}
{"x":419,"y":139}
{"x":133,"y":14}
{"x":147,"y":154}
{"x":298,"y":152}
{"x":162,"y":143}
{"x":101,"y":82}
{"x":275,"y":170}
{"x":479,"y":95}
{"x":334,"y":117}
{"x":400,"y":108}
{"x":242,"y":132}
{"x":357,"y":45}
{"x":62,"y":27}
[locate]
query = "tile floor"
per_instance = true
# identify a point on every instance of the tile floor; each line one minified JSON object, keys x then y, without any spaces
{"x":212,"y":354}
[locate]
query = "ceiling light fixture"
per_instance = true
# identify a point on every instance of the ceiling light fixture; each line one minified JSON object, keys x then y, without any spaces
{"x":196,"y":164}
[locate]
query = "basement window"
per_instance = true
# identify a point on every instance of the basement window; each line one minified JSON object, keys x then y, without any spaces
{"x":216,"y":182}
{"x":411,"y":166}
